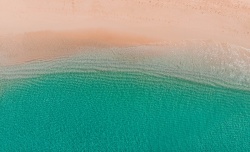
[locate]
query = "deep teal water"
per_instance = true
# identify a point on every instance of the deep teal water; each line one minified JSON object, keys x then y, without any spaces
{"x":118,"y":111}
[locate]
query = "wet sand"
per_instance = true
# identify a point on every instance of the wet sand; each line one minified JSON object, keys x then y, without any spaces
{"x":43,"y":30}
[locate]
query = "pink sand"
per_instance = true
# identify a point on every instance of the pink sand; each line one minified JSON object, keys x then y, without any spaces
{"x":46,"y":29}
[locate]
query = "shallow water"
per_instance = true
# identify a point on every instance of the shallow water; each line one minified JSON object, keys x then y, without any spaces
{"x":121,"y":111}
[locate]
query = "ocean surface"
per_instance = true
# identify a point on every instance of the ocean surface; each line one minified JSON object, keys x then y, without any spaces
{"x":121,"y":111}
{"x":110,"y":103}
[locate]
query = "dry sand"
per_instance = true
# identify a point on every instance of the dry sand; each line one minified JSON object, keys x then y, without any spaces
{"x":45,"y":29}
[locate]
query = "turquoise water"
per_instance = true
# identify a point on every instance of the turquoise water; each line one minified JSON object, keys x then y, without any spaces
{"x":121,"y":111}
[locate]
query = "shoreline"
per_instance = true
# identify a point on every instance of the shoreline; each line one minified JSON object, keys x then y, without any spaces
{"x":49,"y":45}
{"x":221,"y":67}
{"x":193,"y":38}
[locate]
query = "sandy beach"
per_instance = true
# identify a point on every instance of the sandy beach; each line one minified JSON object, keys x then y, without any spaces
{"x":125,"y":75}
{"x":43,"y":30}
